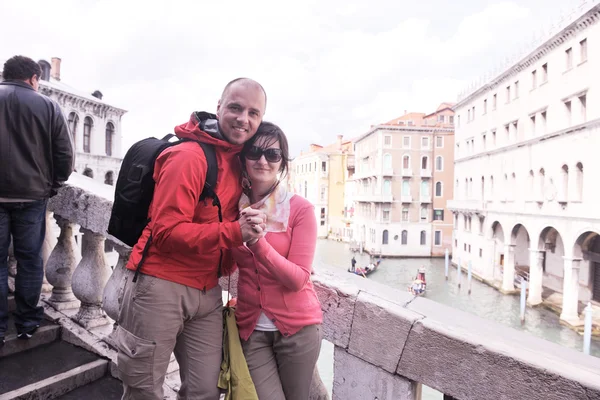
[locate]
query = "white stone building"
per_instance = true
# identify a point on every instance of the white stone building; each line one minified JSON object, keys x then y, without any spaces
{"x":94,"y":124}
{"x":526,"y":153}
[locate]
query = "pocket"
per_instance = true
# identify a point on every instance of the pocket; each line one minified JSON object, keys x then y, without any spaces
{"x":143,"y":284}
{"x":135,"y":360}
{"x":297,"y":301}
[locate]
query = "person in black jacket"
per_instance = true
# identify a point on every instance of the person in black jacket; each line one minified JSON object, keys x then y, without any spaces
{"x":36,"y":158}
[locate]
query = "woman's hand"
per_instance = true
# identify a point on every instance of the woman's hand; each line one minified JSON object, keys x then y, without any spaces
{"x":252,"y":224}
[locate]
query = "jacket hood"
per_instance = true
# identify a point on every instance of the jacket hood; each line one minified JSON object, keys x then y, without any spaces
{"x":204,"y":127}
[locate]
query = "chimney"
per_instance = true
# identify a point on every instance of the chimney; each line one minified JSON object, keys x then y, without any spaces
{"x":55,"y":71}
{"x":339,"y":141}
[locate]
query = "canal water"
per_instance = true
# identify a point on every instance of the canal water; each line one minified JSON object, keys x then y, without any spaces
{"x":484,"y":301}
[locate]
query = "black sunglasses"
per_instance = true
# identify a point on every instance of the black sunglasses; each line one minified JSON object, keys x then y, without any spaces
{"x":271,"y":155}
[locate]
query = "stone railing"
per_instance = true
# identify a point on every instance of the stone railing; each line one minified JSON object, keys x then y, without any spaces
{"x":386,"y":342}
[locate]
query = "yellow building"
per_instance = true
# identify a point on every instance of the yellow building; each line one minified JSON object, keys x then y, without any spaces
{"x":321,"y":176}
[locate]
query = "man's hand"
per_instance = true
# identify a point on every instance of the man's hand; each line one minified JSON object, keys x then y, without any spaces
{"x":252,"y":224}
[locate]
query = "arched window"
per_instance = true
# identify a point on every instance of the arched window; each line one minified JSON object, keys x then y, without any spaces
{"x":424,"y":162}
{"x":423,"y":238}
{"x":406,"y":162}
{"x":110,"y":131}
{"x":578,"y":182}
{"x":439,"y":163}
{"x":88,"y":172}
{"x":541,"y":185}
{"x":387,"y":161}
{"x":438,"y":189}
{"x":564,"y":184}
{"x":387,"y":186}
{"x":384,"y":239}
{"x":87,"y":133}
{"x":404,"y":237}
{"x":109,"y":178}
{"x":73,"y":123}
{"x":482,"y":188}
{"x":531,"y":186}
{"x":424,"y":188}
{"x":405,"y":187}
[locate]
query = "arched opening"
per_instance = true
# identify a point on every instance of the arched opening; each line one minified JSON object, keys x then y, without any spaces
{"x":406,"y":162}
{"x":531,"y":186}
{"x":88,"y":124}
{"x":498,"y":260}
{"x":88,"y":172}
{"x":540,"y":186}
{"x":578,"y":182}
{"x":438,"y":189}
{"x":423,"y":240}
{"x":587,"y":248}
{"x":482,"y":188}
{"x":109,"y":178}
{"x":73,"y":122}
{"x":110,"y":132}
{"x":513,"y":187}
{"x":520,"y":239}
{"x":404,"y":237}
{"x":551,"y":244}
{"x":439,"y":163}
{"x":384,"y":239}
{"x":424,"y":162}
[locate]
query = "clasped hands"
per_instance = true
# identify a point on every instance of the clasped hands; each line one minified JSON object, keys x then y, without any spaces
{"x":253,"y":224}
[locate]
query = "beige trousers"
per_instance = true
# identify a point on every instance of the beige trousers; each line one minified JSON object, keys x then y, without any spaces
{"x":159,"y":317}
{"x":282,"y":367}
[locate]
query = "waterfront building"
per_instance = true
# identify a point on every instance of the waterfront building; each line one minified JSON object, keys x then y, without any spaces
{"x":404,"y":171}
{"x":525,"y":160}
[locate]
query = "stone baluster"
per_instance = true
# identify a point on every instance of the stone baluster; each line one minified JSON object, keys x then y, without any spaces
{"x":47,"y":248}
{"x":89,"y":280}
{"x":113,"y":292}
{"x":60,"y":267}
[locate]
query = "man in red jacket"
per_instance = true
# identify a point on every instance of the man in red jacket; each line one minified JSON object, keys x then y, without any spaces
{"x":176,"y":304}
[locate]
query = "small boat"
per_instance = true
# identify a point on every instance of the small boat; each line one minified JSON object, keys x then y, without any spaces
{"x":419,"y":285}
{"x":366,"y":271}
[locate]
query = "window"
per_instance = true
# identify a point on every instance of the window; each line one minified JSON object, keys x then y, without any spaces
{"x":406,"y":162}
{"x":425,"y":189}
{"x":533,"y":79}
{"x":578,"y":182}
{"x":483,"y":137}
{"x":458,"y":122}
{"x":310,"y":168}
{"x":437,"y":240}
{"x":424,"y":142}
{"x":73,"y":123}
{"x":545,"y":73}
{"x":323,"y":193}
{"x":404,"y":237}
{"x":494,"y":101}
{"x":568,"y":112}
{"x":564,"y":187}
{"x":583,"y":107}
{"x":423,"y":238}
{"x":423,"y":213}
{"x":424,"y":162}
{"x":322,"y":212}
{"x":473,"y":112}
{"x":384,"y":239}
{"x":387,"y":140}
{"x":438,"y":215}
{"x":405,"y":187}
{"x":508,"y":94}
{"x":469,"y":115}
{"x":387,"y":161}
{"x":569,"y":58}
{"x":386,"y":214}
{"x":532,"y":124}
{"x":438,"y":189}
{"x":543,"y":121}
{"x":405,"y":214}
{"x":451,"y":119}
{"x":516,"y":89}
{"x":484,"y":106}
{"x":406,"y":142}
{"x":87,"y":133}
{"x":324,"y":166}
{"x":110,"y":131}
{"x":387,"y":187}
{"x":439,"y":163}
{"x":409,"y":123}
{"x":439,"y":141}
{"x":441,"y":118}
{"x":583,"y":50}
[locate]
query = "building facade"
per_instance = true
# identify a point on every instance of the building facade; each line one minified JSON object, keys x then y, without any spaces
{"x":321,"y":176}
{"x":94,"y":124}
{"x":526,"y":151}
{"x":403,"y":177}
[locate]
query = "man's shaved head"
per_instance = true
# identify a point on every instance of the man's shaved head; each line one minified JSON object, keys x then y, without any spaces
{"x":245,"y":82}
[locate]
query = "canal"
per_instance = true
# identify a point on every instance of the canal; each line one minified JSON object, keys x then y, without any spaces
{"x":484,"y":301}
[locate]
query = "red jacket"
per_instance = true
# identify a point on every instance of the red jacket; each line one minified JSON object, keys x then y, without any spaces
{"x":186,"y":235}
{"x":275,"y":275}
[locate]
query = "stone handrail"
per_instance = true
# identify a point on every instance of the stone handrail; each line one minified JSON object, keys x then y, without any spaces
{"x":387,"y":343}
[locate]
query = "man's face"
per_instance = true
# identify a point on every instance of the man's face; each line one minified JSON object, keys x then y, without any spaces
{"x":240,"y":112}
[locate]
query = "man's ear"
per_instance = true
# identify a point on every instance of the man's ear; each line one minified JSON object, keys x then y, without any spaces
{"x":218,"y":107}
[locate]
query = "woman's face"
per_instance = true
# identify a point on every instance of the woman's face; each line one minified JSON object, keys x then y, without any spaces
{"x":263,"y":161}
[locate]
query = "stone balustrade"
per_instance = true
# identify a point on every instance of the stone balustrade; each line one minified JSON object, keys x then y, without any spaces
{"x":387,"y":343}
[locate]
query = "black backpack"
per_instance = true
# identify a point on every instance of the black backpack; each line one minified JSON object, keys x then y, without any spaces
{"x":135,"y":188}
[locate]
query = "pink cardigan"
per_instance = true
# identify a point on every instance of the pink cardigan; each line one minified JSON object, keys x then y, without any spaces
{"x":275,"y":275}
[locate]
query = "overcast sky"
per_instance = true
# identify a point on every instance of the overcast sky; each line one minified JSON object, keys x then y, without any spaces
{"x":329,"y":67}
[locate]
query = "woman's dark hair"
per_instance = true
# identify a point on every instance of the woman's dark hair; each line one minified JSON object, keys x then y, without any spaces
{"x":21,"y":68}
{"x":272,"y":133}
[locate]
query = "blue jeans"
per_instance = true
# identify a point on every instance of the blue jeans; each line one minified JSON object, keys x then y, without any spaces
{"x":26,"y":223}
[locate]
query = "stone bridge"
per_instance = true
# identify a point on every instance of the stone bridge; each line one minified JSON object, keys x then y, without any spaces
{"x":387,"y":343}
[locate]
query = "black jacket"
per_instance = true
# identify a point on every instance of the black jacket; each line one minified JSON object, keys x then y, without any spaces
{"x":36,"y":149}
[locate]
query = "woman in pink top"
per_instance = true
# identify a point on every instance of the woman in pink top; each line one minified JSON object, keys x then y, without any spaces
{"x":278,"y":313}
